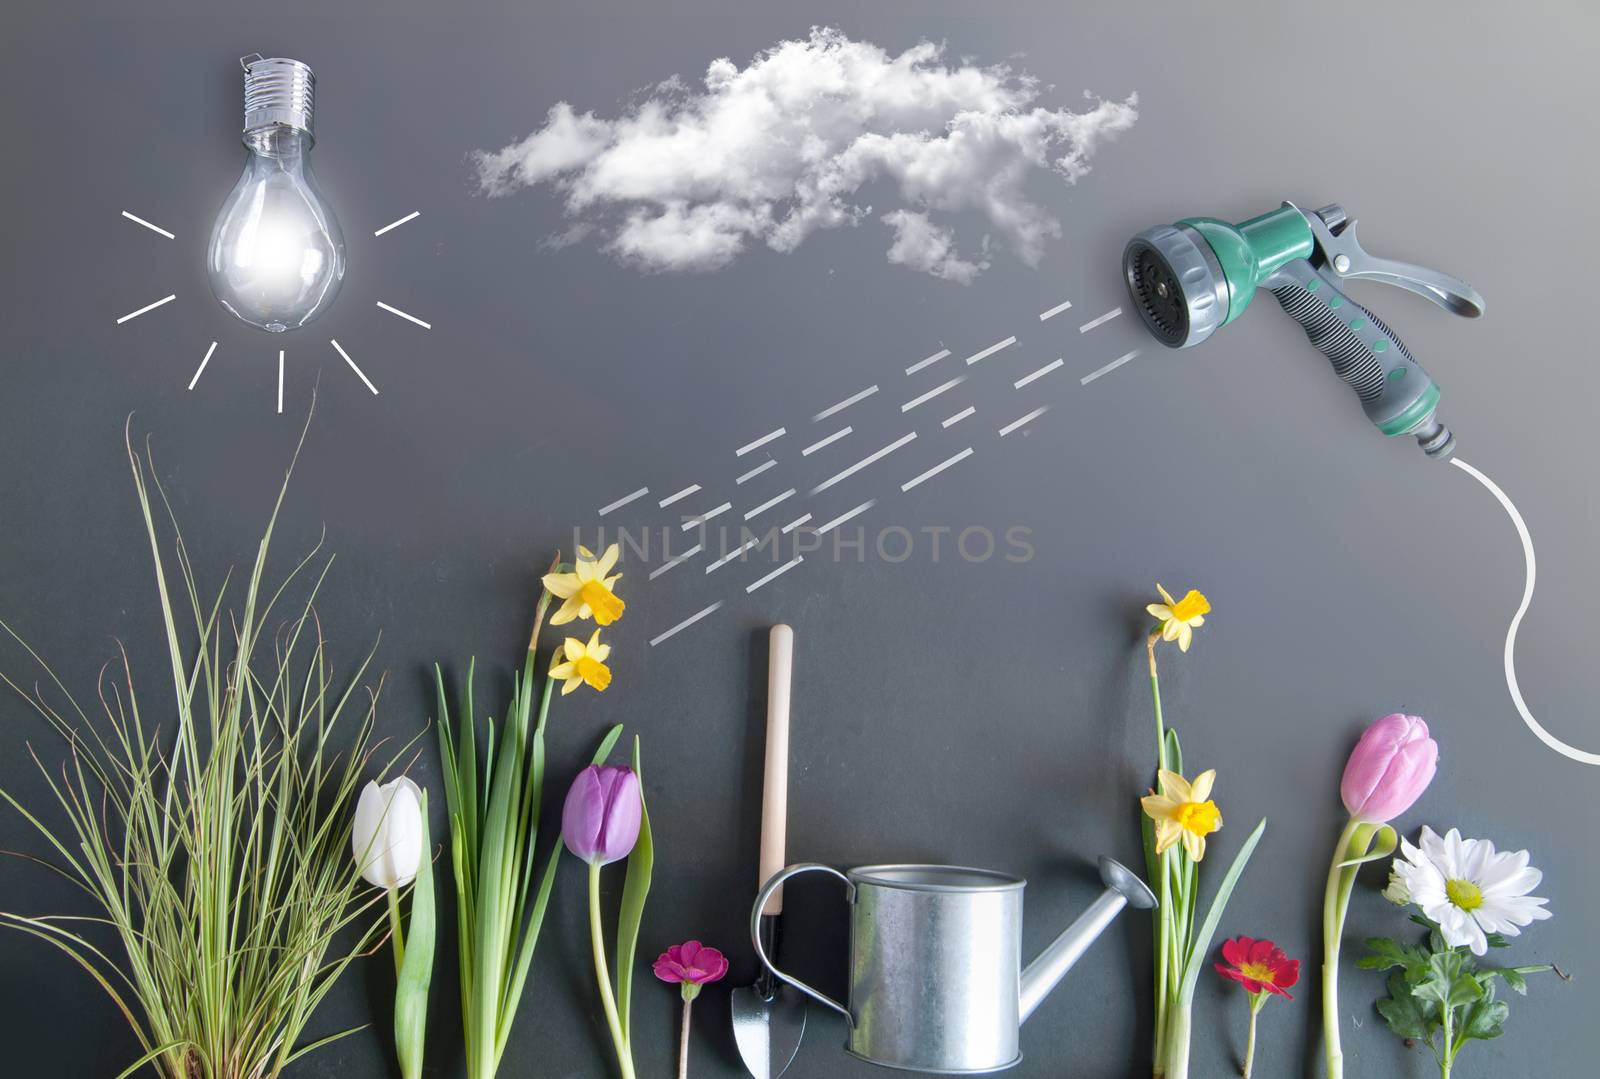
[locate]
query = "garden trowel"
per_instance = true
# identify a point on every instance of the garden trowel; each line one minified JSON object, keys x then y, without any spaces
{"x":769,"y":1018}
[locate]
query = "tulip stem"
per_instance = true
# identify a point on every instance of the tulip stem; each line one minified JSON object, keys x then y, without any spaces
{"x":683,"y":1040}
{"x":1335,"y":904}
{"x":396,"y":929}
{"x":607,"y":999}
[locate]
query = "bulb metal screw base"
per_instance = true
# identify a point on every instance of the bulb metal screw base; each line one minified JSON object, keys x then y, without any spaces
{"x":277,"y":91}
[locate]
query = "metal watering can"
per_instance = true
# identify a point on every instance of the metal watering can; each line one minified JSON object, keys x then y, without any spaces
{"x":936,"y":976}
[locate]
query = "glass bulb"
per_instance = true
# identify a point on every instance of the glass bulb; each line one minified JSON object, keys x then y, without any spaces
{"x":276,"y":257}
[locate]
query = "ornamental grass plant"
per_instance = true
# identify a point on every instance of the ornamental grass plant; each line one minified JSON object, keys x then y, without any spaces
{"x":210,"y":833}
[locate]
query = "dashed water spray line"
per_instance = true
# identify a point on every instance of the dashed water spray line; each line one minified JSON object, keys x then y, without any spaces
{"x":1570,"y":752}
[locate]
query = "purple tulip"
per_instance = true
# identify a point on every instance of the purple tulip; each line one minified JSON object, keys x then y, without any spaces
{"x":1390,"y":768}
{"x":600,"y":820}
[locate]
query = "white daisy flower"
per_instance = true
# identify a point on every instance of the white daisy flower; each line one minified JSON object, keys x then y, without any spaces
{"x":1469,"y":888}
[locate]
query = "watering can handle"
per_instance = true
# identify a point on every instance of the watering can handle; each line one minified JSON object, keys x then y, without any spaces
{"x":767,"y":890}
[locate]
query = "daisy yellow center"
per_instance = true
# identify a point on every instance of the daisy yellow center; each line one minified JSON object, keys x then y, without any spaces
{"x":1190,"y":606}
{"x":1201,"y":818}
{"x":1256,"y":972}
{"x":602,"y":601}
{"x":1464,"y":894}
{"x":592,"y":671}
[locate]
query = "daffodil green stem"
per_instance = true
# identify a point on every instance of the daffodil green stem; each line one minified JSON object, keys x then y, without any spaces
{"x":544,"y":702}
{"x":1164,"y":923}
{"x":608,"y":1000}
{"x":1176,"y":1066}
{"x":1155,"y":695}
{"x":1335,"y":904}
{"x":396,"y":929}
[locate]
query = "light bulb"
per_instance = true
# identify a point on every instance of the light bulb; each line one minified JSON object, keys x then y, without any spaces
{"x":276,"y":257}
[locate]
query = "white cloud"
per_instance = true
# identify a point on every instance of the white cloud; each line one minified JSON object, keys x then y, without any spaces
{"x":687,"y":179}
{"x":922,"y":245}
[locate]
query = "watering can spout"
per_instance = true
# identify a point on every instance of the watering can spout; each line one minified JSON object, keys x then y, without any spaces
{"x":1123,"y":889}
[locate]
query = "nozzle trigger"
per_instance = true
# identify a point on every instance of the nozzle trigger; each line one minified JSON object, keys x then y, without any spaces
{"x":1347,"y":259}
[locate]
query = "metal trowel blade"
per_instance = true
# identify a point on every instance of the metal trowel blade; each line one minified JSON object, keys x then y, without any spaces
{"x":768,"y":1032}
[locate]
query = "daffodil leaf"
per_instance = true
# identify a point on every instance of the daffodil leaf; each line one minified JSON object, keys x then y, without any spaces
{"x":1147,"y":829}
{"x":1200,"y":944}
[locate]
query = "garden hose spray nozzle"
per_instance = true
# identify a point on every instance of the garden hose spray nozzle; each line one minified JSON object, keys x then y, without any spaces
{"x":1190,"y":278}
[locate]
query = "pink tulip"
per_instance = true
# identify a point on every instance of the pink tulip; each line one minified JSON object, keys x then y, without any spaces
{"x":1390,"y":768}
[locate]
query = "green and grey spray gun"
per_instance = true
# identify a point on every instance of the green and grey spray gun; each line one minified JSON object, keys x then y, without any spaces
{"x":1190,"y":278}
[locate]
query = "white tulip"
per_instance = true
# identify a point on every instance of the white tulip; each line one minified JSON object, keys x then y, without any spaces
{"x":386,"y":836}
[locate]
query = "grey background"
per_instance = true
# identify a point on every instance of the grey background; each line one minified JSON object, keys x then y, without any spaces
{"x":991,"y":713}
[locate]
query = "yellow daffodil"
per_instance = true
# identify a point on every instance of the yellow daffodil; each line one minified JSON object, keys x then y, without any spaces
{"x":1183,"y":812}
{"x":586,"y":591}
{"x":578,"y":663}
{"x":1180,"y":618}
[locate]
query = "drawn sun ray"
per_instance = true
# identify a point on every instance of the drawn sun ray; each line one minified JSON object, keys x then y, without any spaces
{"x":413,"y":215}
{"x":362,"y":375}
{"x":146,"y":309}
{"x":211,"y":349}
{"x":153,"y":228}
{"x":198,"y":371}
{"x":402,"y":314}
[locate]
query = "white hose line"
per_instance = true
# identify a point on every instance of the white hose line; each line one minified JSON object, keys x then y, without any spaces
{"x":1516,"y":620}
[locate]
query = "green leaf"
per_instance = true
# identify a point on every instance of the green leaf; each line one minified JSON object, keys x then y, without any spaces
{"x":1512,"y":975}
{"x":1435,"y":937}
{"x":467,"y":763}
{"x":1406,"y":1015}
{"x":416,"y":970}
{"x":1380,"y":843}
{"x":1200,"y":945}
{"x":607,"y":744}
{"x":1174,"y":752}
{"x":1447,"y":981}
{"x":1485,"y":1019}
{"x":635,"y":889}
{"x":159,"y":1051}
{"x":1388,"y":953}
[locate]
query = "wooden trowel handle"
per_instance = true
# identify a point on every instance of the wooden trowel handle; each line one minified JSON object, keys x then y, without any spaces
{"x":775,"y":783}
